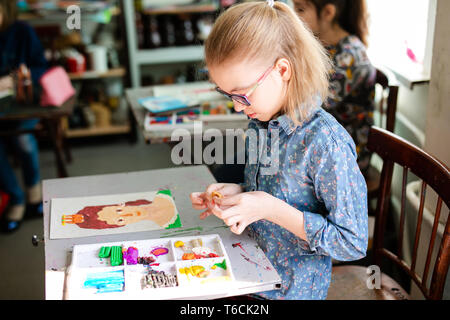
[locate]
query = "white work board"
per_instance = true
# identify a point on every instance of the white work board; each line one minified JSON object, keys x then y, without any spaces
{"x":252,"y":271}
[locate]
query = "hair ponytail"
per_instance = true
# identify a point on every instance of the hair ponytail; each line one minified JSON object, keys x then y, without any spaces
{"x":351,"y":15}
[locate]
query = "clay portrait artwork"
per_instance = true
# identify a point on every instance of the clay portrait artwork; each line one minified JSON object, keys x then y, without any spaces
{"x":101,"y":215}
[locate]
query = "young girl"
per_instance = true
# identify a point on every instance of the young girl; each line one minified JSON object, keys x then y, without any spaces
{"x":341,"y":25}
{"x":313,"y":208}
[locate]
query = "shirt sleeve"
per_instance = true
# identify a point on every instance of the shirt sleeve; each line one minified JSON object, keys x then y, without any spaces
{"x":339,"y":184}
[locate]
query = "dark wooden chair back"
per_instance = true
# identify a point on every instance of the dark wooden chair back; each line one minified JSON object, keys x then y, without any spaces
{"x":395,"y":150}
{"x":388,"y":101}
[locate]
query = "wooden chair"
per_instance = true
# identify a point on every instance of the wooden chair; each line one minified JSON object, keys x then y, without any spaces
{"x":350,"y":282}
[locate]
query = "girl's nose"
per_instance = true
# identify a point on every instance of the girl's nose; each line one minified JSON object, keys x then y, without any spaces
{"x":238,"y":107}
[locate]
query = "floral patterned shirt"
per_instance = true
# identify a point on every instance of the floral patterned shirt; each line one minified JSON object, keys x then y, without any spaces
{"x":317,"y":174}
{"x":352,"y":91}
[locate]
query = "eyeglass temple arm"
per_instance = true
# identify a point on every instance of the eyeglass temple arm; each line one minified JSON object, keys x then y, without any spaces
{"x":260,"y":80}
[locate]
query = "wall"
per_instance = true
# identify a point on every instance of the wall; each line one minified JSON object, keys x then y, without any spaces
{"x":437,"y":131}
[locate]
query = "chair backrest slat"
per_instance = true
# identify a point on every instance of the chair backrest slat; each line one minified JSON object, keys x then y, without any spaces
{"x":441,"y":266}
{"x":418,"y":226}
{"x":437,"y":215}
{"x":402,"y":214}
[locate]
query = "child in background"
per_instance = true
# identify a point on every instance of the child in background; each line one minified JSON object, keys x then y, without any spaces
{"x":341,"y":26}
{"x":314,"y":207}
{"x":19,"y":45}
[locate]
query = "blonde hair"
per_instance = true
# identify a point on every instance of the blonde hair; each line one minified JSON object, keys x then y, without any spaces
{"x":255,"y":30}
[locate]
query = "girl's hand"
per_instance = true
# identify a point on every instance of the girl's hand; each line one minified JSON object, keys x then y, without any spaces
{"x":204,"y":200}
{"x":240,"y":210}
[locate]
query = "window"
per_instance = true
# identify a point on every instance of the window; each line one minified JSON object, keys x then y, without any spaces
{"x":401,"y":34}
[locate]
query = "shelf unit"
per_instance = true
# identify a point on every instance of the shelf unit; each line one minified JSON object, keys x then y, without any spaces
{"x":40,"y":15}
{"x":111,"y":73}
{"x":139,"y":57}
{"x":98,"y":131}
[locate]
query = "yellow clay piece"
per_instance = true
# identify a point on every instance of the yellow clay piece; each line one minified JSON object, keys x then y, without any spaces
{"x":216,"y":194}
{"x":197,"y":269}
{"x":179,"y":244}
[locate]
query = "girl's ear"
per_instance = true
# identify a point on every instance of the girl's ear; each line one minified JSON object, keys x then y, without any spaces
{"x":284,"y":69}
{"x":328,"y":13}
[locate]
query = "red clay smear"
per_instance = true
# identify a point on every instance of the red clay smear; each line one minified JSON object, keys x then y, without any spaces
{"x":238,"y":244}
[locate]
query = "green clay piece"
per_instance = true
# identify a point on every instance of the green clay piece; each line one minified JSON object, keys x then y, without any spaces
{"x":222,"y":265}
{"x":105,"y":252}
{"x":116,"y":256}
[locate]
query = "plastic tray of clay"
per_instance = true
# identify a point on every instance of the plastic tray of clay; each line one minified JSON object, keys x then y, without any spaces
{"x":213,"y":271}
{"x":198,"y":247}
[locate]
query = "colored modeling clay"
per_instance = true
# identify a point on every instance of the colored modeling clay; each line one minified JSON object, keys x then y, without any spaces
{"x":179,"y":244}
{"x":116,"y":256}
{"x":145,"y":260}
{"x":203,"y":251}
{"x":159,"y":251}
{"x":131,"y":255}
{"x":198,"y":271}
{"x":105,"y":252}
{"x":216,"y":194}
{"x":111,"y":281}
{"x":159,"y":279}
{"x":197,"y":242}
{"x":222,"y":265}
{"x":188,"y":256}
{"x":186,"y":271}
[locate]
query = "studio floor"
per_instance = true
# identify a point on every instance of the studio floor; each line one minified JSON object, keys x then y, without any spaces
{"x":22,"y":265}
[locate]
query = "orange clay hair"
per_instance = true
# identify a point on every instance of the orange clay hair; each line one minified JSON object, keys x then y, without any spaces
{"x":255,"y":30}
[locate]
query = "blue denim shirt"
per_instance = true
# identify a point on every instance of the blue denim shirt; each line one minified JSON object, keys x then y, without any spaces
{"x":318,"y":175}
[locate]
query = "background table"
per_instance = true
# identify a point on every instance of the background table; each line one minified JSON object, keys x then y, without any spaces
{"x":163,"y":136}
{"x":50,"y":118}
{"x":250,"y":276}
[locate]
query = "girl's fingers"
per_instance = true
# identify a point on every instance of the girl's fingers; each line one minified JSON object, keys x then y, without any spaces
{"x":225,"y":213}
{"x":238,"y":228}
{"x":229,"y":201}
{"x":198,"y":201}
{"x":199,"y":206}
{"x":233,"y":220}
{"x":196,"y":197}
{"x":214,"y":187}
{"x":205,"y":214}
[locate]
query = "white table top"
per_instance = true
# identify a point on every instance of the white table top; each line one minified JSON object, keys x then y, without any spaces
{"x":251,"y":276}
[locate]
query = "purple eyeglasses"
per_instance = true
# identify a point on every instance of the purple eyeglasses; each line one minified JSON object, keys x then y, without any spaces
{"x":243,"y":98}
